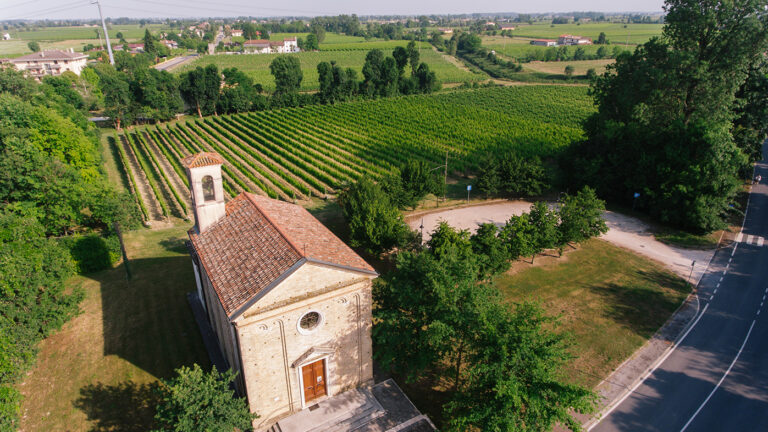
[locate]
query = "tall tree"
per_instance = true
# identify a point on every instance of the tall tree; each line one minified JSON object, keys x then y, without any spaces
{"x":117,"y":98}
{"x":150,"y":44}
{"x":581,"y":216}
{"x":33,"y":46}
{"x":287,"y":73}
{"x":413,"y":56}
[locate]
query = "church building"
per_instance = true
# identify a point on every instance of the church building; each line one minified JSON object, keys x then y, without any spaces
{"x":288,"y":301}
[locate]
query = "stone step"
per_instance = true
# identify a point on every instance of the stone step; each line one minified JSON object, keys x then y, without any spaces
{"x":345,"y":412}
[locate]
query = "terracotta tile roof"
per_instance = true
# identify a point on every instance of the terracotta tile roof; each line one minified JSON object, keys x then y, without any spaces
{"x":50,"y":55}
{"x":202,"y":159}
{"x":259,"y":241}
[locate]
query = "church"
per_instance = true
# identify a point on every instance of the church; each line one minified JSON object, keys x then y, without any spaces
{"x":290,"y":306}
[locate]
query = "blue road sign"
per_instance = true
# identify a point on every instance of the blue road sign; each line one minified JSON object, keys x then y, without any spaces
{"x":469,"y":187}
{"x":637,"y":194}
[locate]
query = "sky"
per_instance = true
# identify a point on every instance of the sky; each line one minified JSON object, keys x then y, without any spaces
{"x":58,"y":9}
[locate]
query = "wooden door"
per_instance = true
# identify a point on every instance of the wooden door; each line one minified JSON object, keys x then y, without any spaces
{"x":313,"y":376}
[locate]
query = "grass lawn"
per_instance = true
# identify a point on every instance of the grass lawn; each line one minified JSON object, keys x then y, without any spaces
{"x":609,"y":299}
{"x":68,"y":37}
{"x":580,"y":67}
{"x":614,"y":32}
{"x":257,"y":65}
{"x":97,"y":372}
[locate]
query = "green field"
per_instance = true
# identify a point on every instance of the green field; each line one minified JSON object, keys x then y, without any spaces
{"x":305,"y":153}
{"x":257,"y":65}
{"x":518,"y":47}
{"x":67,"y":37}
{"x":615,"y":33}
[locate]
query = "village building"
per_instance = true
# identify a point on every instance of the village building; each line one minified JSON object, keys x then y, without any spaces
{"x":290,"y":307}
{"x":445,"y":30}
{"x":264,"y":46}
{"x":6,"y":36}
{"x":508,"y":27}
{"x":169,"y":43}
{"x":50,"y":63}
{"x":237,"y":33}
{"x":544,"y":42}
{"x":573,"y":40}
{"x":134,"y":48}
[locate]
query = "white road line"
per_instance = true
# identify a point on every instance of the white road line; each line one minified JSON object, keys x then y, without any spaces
{"x":711,"y":296}
{"x":721,"y":379}
{"x":632,"y":390}
{"x":718,"y":285}
{"x":724,"y":271}
{"x":739,"y":237}
{"x":760,"y":241}
{"x":721,"y":279}
{"x":715,"y":291}
{"x":749,"y":239}
{"x":730,"y":259}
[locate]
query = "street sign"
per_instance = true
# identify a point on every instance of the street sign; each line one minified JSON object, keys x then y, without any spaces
{"x":637,"y":194}
{"x":469,"y":187}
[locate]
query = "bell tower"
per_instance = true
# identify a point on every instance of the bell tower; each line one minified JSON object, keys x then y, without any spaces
{"x":205,"y":182}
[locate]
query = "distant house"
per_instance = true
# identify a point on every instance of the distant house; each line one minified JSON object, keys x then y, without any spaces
{"x":490,"y":24}
{"x":6,"y":36}
{"x":573,"y":40}
{"x":51,"y":63}
{"x":544,"y":42}
{"x":237,"y":33}
{"x":263,"y":46}
{"x":445,"y":31}
{"x":169,"y":43}
{"x":134,"y":48}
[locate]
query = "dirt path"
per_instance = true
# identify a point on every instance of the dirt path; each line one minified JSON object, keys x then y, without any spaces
{"x":247,"y":160}
{"x":456,"y":62}
{"x":145,"y":191}
{"x":624,"y":231}
{"x":176,"y":183}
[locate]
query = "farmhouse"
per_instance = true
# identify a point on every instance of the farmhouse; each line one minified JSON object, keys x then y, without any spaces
{"x":169,"y":43}
{"x":237,"y":33}
{"x":51,"y":62}
{"x":134,"y":48}
{"x":544,"y":42}
{"x":573,"y":40}
{"x":263,"y":46}
{"x":290,"y":306}
{"x":446,"y":30}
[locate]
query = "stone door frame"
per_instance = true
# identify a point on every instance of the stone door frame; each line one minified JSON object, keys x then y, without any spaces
{"x":325,"y":359}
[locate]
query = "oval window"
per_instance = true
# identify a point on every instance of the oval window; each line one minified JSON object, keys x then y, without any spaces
{"x":310,"y":321}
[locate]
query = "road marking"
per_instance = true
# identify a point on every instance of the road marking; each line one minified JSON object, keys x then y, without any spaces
{"x":724,"y":271}
{"x":749,"y":239}
{"x":632,"y":390}
{"x":711,"y":296}
{"x":730,"y":259}
{"x":715,"y":291}
{"x":739,"y":237}
{"x":721,"y":379}
{"x":721,"y":279}
{"x":760,"y":241}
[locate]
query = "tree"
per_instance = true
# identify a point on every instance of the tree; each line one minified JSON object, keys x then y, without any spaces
{"x":413,"y":56}
{"x":117,"y":98}
{"x":522,"y":176}
{"x":544,"y":222}
{"x":250,"y":31}
{"x":200,"y":88}
{"x":489,"y":177}
{"x":375,"y":224}
{"x":34,"y":46}
{"x":311,"y":44}
{"x":581,"y":216}
{"x":427,"y":80}
{"x":602,"y":52}
{"x":401,"y":57}
{"x":601,"y":39}
{"x":516,"y":378}
{"x":591,"y":74}
{"x":150,"y":45}
{"x":287,"y":73}
{"x":492,"y":255}
{"x":519,"y":237}
{"x":568,"y":72}
{"x":319,"y":32}
{"x":751,"y":111}
{"x":198,"y":401}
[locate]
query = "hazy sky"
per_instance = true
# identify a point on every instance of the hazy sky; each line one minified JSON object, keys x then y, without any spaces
{"x":41,"y":9}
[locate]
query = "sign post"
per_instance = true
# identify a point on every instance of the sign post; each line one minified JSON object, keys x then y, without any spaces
{"x":634,"y":201}
{"x":469,"y":188}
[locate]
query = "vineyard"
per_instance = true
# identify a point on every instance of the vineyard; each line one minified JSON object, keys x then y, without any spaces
{"x":299,"y":153}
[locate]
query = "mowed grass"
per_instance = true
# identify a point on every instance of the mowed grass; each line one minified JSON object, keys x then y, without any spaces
{"x":611,"y":300}
{"x":68,"y":37}
{"x":97,"y":373}
{"x":615,"y":32}
{"x":580,"y":67}
{"x":257,"y":65}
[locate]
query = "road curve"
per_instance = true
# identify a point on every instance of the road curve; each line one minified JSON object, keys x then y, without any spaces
{"x":716,"y":379}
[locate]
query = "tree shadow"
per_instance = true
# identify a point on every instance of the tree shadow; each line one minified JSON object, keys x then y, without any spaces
{"x":175,"y":244}
{"x":125,"y":407}
{"x":640,"y":308}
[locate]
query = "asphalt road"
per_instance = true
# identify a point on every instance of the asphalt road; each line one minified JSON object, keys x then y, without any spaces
{"x":717,"y":377}
{"x":174,"y":62}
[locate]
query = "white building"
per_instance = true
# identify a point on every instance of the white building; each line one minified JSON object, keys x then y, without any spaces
{"x":573,"y":40}
{"x":6,"y":36}
{"x":544,"y":42}
{"x":263,"y":46}
{"x":51,"y":63}
{"x":237,"y":33}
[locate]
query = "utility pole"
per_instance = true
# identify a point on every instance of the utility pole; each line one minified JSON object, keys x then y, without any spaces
{"x":106,"y":34}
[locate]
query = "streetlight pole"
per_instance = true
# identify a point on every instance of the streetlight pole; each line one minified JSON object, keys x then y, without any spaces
{"x":106,"y":34}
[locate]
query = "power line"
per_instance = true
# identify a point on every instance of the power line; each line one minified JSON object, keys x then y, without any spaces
{"x":59,"y":8}
{"x":20,"y":4}
{"x":218,"y":8}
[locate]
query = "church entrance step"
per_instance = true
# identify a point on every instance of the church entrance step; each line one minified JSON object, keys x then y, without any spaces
{"x":345,"y":412}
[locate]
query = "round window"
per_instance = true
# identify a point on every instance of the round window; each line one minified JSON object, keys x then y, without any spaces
{"x":310,"y":321}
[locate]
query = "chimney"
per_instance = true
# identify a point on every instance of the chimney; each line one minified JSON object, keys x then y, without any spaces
{"x":207,"y":189}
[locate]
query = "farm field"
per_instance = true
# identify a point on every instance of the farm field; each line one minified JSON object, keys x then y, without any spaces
{"x":615,"y":32}
{"x":305,"y":153}
{"x":518,"y":47}
{"x":580,"y":67}
{"x":257,"y":65}
{"x":67,"y":37}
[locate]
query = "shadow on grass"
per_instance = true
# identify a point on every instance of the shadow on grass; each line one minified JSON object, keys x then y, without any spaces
{"x":639,"y":307}
{"x":125,"y":407}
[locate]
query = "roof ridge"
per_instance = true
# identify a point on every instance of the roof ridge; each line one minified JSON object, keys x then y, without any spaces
{"x":276,"y":226}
